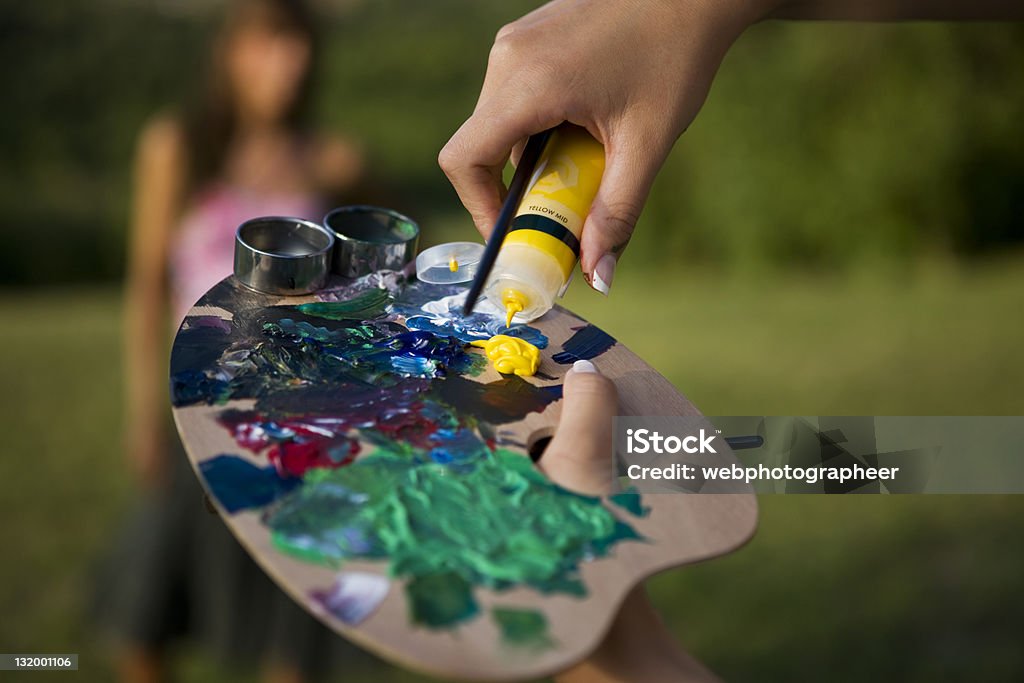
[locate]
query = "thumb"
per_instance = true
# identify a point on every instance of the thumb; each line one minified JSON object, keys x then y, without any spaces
{"x":632,"y":161}
{"x":579,"y":456}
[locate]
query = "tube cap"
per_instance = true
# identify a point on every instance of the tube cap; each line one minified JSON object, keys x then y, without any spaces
{"x":449,"y":263}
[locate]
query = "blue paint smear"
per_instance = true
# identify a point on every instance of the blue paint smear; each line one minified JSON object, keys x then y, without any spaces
{"x":419,"y":354}
{"x":588,"y":342}
{"x":458,"y":448}
{"x":475,"y":327}
{"x":264,"y":357}
{"x":193,"y":386}
{"x":237,"y":484}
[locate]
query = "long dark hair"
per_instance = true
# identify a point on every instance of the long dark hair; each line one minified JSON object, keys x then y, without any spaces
{"x":210,"y":119}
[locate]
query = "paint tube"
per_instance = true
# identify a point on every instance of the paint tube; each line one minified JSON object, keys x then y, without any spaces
{"x":543,"y":244}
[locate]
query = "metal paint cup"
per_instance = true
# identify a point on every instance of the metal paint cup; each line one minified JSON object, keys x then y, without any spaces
{"x":370,"y":238}
{"x":281,"y":255}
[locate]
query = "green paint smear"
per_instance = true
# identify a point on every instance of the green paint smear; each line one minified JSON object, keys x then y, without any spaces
{"x":498,"y":524}
{"x":370,"y":304}
{"x":629,"y":501}
{"x":525,"y":628}
{"x":441,"y":600}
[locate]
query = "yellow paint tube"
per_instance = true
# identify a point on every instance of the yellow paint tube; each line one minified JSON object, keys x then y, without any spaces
{"x":543,"y":243}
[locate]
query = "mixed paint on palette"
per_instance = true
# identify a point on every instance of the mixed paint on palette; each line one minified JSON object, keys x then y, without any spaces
{"x":373,"y":439}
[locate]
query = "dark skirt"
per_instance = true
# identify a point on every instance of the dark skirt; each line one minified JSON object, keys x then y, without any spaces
{"x":174,"y":572}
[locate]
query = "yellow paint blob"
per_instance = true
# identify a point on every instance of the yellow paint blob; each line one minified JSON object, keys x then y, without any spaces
{"x":511,"y":355}
{"x":514,"y":303}
{"x":453,"y":264}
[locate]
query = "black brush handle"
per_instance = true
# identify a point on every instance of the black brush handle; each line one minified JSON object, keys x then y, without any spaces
{"x":738,"y":443}
{"x":516,"y":189}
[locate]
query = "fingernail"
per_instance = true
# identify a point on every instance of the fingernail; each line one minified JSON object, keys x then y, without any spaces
{"x":584,"y":366}
{"x":604,"y":273}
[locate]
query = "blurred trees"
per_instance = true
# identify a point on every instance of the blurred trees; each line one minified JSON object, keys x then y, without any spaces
{"x":821,"y":145}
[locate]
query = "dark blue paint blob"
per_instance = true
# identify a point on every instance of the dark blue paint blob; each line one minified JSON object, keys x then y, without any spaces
{"x":527,"y":334}
{"x":192,"y":386}
{"x":505,"y":400}
{"x":588,"y":342}
{"x":237,"y":484}
{"x":198,"y":346}
{"x":417,"y":354}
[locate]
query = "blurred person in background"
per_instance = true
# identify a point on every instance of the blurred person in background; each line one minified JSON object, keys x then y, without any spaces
{"x":243,"y":150}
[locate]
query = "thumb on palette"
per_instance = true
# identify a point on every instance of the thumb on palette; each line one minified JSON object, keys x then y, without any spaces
{"x":579,"y":455}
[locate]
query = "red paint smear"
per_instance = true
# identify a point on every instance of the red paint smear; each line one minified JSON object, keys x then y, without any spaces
{"x":293,"y":458}
{"x":409,"y":426}
{"x":296,"y":444}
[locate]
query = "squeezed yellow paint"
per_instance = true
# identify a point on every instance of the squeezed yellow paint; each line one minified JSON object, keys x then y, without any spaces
{"x":511,"y":355}
{"x":510,"y":312}
{"x":514,"y":302}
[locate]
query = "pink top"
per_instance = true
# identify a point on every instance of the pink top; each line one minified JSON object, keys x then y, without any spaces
{"x":203,"y":249}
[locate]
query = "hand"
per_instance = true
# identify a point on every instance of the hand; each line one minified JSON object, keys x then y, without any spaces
{"x":634,"y":74}
{"x":638,"y":647}
{"x":579,"y":455}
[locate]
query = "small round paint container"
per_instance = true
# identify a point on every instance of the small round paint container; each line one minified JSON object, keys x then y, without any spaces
{"x":370,"y":238}
{"x":282,"y":255}
{"x":449,"y":263}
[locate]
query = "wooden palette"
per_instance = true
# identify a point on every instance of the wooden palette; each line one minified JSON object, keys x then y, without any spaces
{"x":679,"y":529}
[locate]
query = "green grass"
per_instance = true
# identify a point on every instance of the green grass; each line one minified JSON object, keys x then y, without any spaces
{"x":944,"y":340}
{"x":843,"y":589}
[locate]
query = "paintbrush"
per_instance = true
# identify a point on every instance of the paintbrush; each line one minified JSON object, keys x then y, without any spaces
{"x":516,"y":189}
